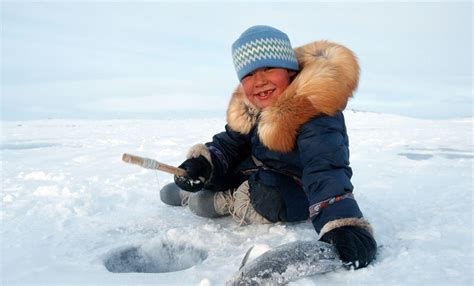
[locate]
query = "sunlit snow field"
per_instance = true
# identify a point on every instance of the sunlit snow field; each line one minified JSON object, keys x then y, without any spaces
{"x":69,"y":205}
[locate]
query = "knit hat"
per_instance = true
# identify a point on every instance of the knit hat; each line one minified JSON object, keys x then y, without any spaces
{"x":262,"y":46}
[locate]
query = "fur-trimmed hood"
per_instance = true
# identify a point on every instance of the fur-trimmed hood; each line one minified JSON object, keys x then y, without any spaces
{"x":328,"y":75}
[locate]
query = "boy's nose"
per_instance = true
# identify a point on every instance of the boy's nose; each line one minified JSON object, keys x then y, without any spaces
{"x":260,"y":78}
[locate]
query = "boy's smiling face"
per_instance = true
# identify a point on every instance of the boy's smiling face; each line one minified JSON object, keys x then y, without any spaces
{"x":263,"y":86}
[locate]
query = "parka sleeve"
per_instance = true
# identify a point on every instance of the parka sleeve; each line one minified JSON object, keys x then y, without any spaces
{"x":227,"y":150}
{"x":324,"y":153}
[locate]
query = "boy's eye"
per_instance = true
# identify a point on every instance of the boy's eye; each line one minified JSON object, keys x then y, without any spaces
{"x":250,"y":74}
{"x":247,"y":75}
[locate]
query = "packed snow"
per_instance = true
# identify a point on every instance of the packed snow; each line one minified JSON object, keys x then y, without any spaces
{"x":73,"y":213}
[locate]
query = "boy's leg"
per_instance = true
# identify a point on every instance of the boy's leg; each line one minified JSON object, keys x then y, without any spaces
{"x":235,"y":202}
{"x":211,"y":204}
{"x":243,"y":211}
{"x":224,"y":202}
{"x":202,"y":204}
{"x":172,"y":195}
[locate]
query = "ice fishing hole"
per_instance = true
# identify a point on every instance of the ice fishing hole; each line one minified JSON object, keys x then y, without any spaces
{"x":158,"y":258}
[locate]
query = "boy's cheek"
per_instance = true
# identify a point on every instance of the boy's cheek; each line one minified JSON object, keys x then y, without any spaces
{"x":247,"y":92}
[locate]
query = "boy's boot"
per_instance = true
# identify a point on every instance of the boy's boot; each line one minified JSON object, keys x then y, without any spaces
{"x":172,"y":195}
{"x":211,"y":204}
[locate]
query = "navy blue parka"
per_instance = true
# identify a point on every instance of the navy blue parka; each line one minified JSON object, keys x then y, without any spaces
{"x":285,"y":184}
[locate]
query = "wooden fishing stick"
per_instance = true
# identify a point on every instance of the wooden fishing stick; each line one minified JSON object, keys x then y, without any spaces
{"x":153,"y":164}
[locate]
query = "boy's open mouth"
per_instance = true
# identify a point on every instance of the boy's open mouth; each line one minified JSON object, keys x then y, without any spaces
{"x":265,"y":94}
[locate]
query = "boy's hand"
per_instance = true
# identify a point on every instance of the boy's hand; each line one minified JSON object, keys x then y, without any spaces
{"x":355,"y":245}
{"x":198,"y":172}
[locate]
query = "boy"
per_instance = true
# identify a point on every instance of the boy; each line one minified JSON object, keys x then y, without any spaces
{"x":284,"y":155}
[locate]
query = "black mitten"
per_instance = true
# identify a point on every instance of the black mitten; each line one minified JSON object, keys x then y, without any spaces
{"x":356,"y":246}
{"x":198,"y":172}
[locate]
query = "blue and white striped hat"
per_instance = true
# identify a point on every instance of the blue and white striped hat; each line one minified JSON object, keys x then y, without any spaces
{"x":262,"y":46}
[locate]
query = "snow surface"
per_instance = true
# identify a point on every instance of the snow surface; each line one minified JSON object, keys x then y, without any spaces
{"x":69,"y":204}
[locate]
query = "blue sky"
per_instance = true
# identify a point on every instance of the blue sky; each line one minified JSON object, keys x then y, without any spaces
{"x":153,"y":59}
